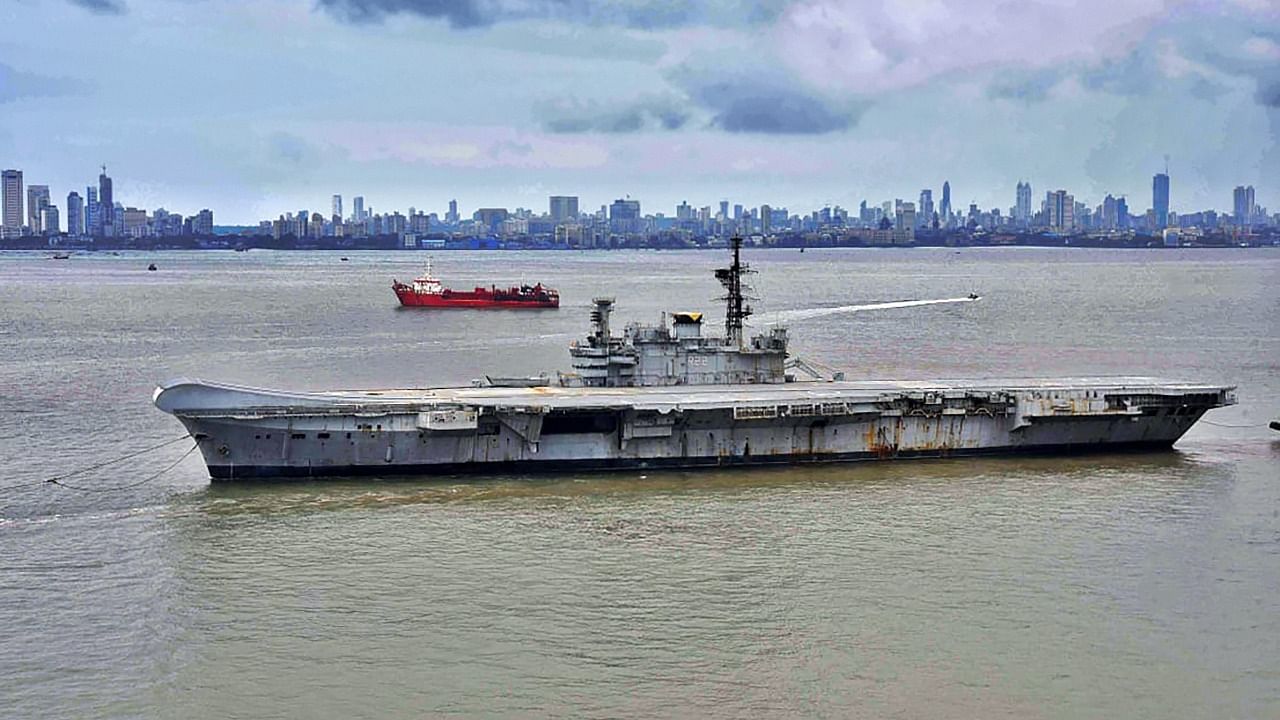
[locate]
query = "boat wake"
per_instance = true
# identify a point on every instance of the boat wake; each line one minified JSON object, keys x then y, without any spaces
{"x":808,"y":313}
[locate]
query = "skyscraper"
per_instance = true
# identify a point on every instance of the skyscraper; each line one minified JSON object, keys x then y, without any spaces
{"x":337,"y":208}
{"x":926,"y":208}
{"x":564,"y":208}
{"x":1060,"y":209}
{"x":75,"y":214}
{"x":11,"y":188}
{"x":944,"y":209}
{"x":451,"y":217}
{"x":106,"y":204}
{"x":37,"y":200}
{"x":92,"y":218}
{"x":1160,"y":199}
{"x":357,"y":208}
{"x":766,"y":222}
{"x":49,"y":222}
{"x":1243,"y":205}
{"x":1022,"y":206}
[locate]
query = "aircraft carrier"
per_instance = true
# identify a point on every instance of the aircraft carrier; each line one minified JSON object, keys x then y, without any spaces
{"x":668,"y":395}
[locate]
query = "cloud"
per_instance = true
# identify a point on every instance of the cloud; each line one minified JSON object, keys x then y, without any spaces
{"x":1032,"y":86}
{"x":102,"y":7}
{"x":867,"y":48}
{"x":646,"y":113}
{"x":17,"y":84}
{"x":284,"y":147}
{"x":776,"y":111}
{"x":743,"y":93}
{"x":640,"y":14}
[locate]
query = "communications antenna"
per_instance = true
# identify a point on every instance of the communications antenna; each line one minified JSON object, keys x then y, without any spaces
{"x":736,"y":310}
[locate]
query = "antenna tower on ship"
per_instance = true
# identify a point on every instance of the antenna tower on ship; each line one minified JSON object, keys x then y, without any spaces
{"x":737,"y":310}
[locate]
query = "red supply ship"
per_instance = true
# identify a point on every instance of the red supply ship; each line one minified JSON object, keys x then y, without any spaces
{"x":427,"y":291}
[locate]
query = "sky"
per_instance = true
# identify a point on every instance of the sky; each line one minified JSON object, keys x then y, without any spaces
{"x":253,"y":109}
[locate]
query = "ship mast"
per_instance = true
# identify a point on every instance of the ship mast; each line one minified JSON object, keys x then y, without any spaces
{"x":737,"y":310}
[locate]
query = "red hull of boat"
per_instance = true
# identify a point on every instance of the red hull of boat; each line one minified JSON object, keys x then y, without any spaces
{"x":478,"y":298}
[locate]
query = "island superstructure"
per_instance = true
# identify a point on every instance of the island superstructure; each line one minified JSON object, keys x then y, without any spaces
{"x":669,"y":395}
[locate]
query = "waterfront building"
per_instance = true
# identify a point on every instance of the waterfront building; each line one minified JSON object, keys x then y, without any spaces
{"x":337,"y":209}
{"x":106,"y":205}
{"x":1160,"y":199}
{"x":624,"y":215}
{"x":11,"y":196}
{"x":202,"y":222}
{"x":135,"y":222}
{"x":1060,"y":210}
{"x":563,"y":208}
{"x":75,"y":214}
{"x":37,"y":199}
{"x":944,"y":209}
{"x":490,"y":218}
{"x":92,"y":220}
{"x":1244,"y":205}
{"x":766,"y":219}
{"x":49,"y":222}
{"x":1022,"y":205}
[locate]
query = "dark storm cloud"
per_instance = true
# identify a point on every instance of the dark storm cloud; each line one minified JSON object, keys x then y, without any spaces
{"x":641,"y":114}
{"x":459,"y":13}
{"x":1269,"y":92}
{"x":102,"y":7}
{"x":641,"y":14}
{"x":16,"y":84}
{"x":742,"y":96}
{"x":777,"y":112}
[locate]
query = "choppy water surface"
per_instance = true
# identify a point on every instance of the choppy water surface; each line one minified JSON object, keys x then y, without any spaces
{"x":1120,"y":585}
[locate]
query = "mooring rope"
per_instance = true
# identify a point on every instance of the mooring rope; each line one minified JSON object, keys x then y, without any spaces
{"x":57,"y":479}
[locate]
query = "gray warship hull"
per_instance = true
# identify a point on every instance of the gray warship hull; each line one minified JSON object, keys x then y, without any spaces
{"x":246,"y":433}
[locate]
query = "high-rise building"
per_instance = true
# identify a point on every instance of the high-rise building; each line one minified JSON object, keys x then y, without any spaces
{"x":624,"y":215}
{"x":724,"y":210}
{"x":926,"y":208}
{"x":11,"y":190}
{"x":75,"y":214}
{"x":92,"y":218}
{"x":357,"y":208}
{"x":106,"y":204}
{"x":451,"y":217}
{"x":944,"y":209}
{"x":1060,"y":211}
{"x":337,"y":208}
{"x":49,"y":222}
{"x":766,"y":219}
{"x":1160,"y":199}
{"x":202,"y":223}
{"x":37,"y":199}
{"x":564,"y":208}
{"x":490,"y":218}
{"x":1244,"y":205}
{"x":684,"y":211}
{"x":1022,"y":205}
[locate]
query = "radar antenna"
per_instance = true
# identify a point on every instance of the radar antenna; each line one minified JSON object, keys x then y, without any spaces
{"x":737,"y":310}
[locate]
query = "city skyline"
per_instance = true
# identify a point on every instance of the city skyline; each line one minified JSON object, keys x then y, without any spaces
{"x":100,"y":215}
{"x":803,"y":104}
